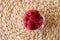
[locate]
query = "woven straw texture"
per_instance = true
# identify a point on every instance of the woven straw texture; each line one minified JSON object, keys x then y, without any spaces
{"x":11,"y":19}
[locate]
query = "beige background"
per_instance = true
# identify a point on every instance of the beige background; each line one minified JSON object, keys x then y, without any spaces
{"x":11,"y":19}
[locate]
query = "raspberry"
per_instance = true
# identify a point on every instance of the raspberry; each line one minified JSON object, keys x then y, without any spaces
{"x":33,"y":20}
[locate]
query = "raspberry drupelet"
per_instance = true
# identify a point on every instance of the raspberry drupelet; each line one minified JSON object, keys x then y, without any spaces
{"x":33,"y":20}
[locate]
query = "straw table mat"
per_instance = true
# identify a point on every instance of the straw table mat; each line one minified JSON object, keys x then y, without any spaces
{"x":11,"y":19}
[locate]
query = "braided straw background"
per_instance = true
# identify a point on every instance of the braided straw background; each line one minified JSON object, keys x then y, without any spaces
{"x":11,"y":19}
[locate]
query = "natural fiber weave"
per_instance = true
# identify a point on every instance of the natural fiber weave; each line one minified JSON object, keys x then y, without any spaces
{"x":11,"y":19}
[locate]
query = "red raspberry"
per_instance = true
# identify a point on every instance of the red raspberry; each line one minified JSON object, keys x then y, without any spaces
{"x":33,"y":20}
